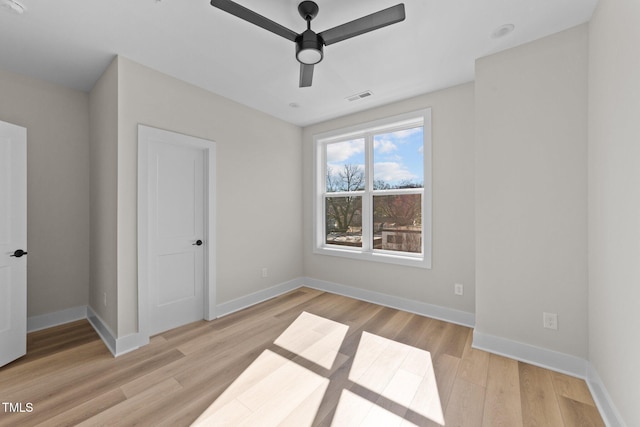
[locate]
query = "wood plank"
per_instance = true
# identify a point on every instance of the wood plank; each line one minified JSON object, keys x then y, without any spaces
{"x":445,"y":370}
{"x":86,"y":410}
{"x":466,"y":405}
{"x":137,"y":410}
{"x":412,"y":332}
{"x":474,"y":364}
{"x":17,"y":376}
{"x":454,"y":339}
{"x":571,"y":387}
{"x":539,"y":401}
{"x":580,"y":414}
{"x":502,"y":405}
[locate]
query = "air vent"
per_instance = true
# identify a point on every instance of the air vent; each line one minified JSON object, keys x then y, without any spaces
{"x":359,"y":96}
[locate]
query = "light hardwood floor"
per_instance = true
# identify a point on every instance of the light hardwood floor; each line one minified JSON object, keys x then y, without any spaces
{"x":304,"y":358}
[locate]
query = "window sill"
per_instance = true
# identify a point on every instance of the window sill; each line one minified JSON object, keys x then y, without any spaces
{"x":383,"y":257}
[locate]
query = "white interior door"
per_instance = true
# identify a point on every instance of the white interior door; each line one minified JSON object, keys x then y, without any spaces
{"x":177,"y":239}
{"x":13,"y":241}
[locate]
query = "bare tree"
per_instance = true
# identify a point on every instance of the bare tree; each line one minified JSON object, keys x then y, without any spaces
{"x":402,"y":210}
{"x":342,"y":210}
{"x":349,"y":178}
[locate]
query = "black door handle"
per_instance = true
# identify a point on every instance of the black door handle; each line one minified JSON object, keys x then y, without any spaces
{"x":197,"y":243}
{"x":18,"y":253}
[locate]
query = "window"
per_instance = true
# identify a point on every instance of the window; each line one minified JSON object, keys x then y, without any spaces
{"x":373,"y":191}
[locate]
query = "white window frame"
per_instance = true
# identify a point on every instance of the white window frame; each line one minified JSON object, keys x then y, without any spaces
{"x":366,"y":252}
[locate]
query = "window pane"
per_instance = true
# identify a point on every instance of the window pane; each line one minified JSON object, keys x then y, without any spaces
{"x":344,"y":221}
{"x":345,"y":166}
{"x":397,"y":223}
{"x":398,"y":160}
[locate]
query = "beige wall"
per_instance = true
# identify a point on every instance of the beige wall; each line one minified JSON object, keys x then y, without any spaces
{"x":57,"y":125}
{"x":103,"y":117}
{"x":614,"y":202}
{"x":531,"y":192}
{"x":258,"y":183}
{"x":453,"y":208}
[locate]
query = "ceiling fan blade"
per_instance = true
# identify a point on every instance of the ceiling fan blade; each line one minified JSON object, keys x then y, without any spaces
{"x":306,"y":75}
{"x":363,"y":25}
{"x":256,"y":19}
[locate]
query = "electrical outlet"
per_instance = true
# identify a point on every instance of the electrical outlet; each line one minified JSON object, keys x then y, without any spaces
{"x":550,"y":320}
{"x":104,"y":299}
{"x":265,"y":272}
{"x":458,"y":289}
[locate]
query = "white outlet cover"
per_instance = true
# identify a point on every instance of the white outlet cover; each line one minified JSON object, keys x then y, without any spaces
{"x":550,"y":320}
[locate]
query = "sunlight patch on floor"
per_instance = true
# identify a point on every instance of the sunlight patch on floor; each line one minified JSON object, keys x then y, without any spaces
{"x":353,"y":410}
{"x":394,"y":379}
{"x":271,"y":391}
{"x":315,"y":338}
{"x":398,"y":372}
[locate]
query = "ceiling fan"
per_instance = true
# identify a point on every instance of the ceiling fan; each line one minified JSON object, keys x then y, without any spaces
{"x":309,"y":44}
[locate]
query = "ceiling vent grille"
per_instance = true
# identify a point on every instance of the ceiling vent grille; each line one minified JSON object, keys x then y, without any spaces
{"x":359,"y":96}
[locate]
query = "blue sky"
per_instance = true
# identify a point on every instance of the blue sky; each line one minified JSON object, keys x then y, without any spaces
{"x":397,"y":156}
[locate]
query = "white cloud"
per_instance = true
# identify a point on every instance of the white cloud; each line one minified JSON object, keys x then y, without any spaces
{"x":339,"y":152}
{"x":393,"y":172}
{"x":406,"y":133}
{"x":384,"y":146}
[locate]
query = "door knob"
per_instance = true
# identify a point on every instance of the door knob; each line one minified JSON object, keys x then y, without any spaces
{"x":197,"y":243}
{"x":18,"y":253}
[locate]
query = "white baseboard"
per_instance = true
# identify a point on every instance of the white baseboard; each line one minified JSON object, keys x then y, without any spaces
{"x":44,"y":321}
{"x":102,"y":329}
{"x":257,"y":297}
{"x":606,"y":407}
{"x":430,"y":310}
{"x":549,"y":359}
{"x":117,"y":346}
{"x":424,"y":309}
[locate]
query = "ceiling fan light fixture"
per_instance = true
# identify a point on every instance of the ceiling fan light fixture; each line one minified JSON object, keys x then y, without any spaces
{"x":309,"y":48}
{"x":309,"y":56}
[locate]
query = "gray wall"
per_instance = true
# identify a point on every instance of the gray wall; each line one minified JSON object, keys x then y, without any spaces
{"x":453,"y":208}
{"x":57,"y":125}
{"x":258,"y":184}
{"x":531,"y":192}
{"x":103,"y":117}
{"x":614,"y":202}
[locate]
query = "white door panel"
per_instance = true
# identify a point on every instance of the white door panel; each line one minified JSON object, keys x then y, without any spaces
{"x":176,"y":268}
{"x":13,"y":236}
{"x":176,"y":223}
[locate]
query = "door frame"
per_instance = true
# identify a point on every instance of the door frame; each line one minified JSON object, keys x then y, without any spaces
{"x":147,"y":135}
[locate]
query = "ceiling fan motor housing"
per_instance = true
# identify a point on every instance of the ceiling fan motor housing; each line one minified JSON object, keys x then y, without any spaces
{"x":309,"y":48}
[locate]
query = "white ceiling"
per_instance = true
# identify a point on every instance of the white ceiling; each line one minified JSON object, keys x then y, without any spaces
{"x":71,"y":42}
